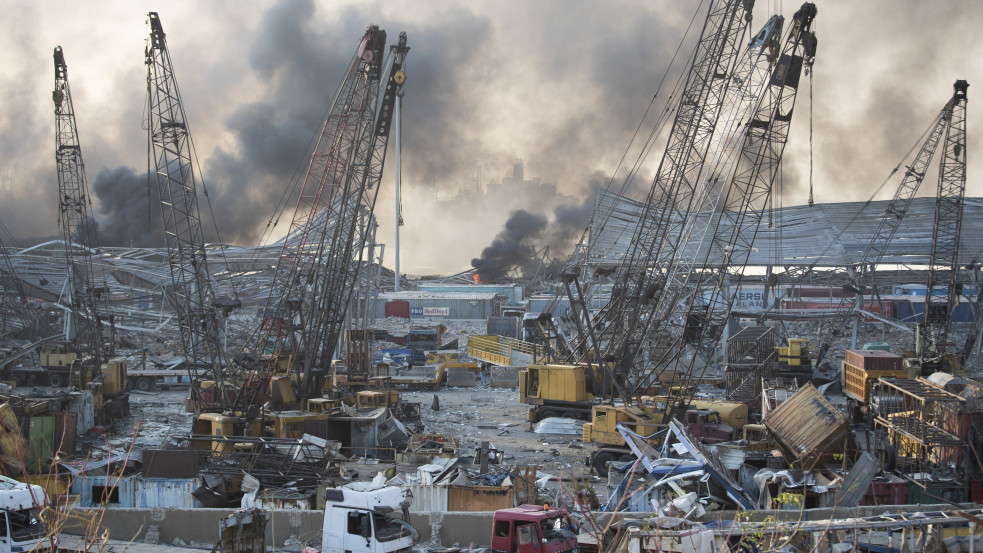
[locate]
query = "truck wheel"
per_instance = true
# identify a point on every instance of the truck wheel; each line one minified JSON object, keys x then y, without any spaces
{"x":143,"y":384}
{"x":600,"y":463}
{"x":56,"y":380}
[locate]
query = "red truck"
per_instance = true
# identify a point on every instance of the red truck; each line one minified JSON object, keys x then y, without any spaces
{"x":705,"y":425}
{"x":533,"y":529}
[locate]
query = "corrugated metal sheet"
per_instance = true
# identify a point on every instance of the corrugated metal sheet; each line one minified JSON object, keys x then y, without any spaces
{"x":415,"y":295}
{"x":842,"y":229}
{"x":164,"y":493}
{"x":83,"y":405}
{"x":806,"y":427}
{"x":427,"y":499}
{"x":857,"y":481}
{"x":91,"y":490}
{"x":508,"y":291}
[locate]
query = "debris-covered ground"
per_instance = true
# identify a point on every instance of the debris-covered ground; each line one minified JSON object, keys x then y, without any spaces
{"x":495,"y":415}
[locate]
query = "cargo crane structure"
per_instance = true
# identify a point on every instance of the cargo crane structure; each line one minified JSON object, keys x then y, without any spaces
{"x":671,"y":270}
{"x":745,"y":203}
{"x":862,"y":273}
{"x":943,"y":267}
{"x":318,"y":266}
{"x":643,"y":295}
{"x":176,"y":184}
{"x":610,"y":344}
{"x":87,"y":300}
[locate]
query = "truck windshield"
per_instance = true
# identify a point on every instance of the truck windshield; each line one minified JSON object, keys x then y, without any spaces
{"x":25,"y":525}
{"x":557,"y":528}
{"x":389,"y":529}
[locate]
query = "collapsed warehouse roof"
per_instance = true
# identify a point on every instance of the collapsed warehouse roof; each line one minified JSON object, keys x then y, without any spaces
{"x":823,"y":235}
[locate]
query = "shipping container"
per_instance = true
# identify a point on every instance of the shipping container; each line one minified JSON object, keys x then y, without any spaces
{"x":440,"y":306}
{"x":83,"y":404}
{"x":808,"y":429}
{"x":936,"y":494}
{"x":164,"y":493}
{"x":881,"y":307}
{"x":512,"y":292}
{"x":398,"y":308}
{"x":41,"y":442}
{"x":874,"y":360}
{"x":887,"y":490}
{"x":857,"y":381}
{"x":134,"y":492}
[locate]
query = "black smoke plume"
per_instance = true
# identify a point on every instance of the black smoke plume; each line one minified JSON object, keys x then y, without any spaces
{"x":513,"y":248}
{"x":126,"y":211}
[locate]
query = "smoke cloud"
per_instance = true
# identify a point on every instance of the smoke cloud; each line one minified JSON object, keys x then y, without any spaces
{"x":487,"y":84}
{"x":126,"y":215}
{"x":512,"y":248}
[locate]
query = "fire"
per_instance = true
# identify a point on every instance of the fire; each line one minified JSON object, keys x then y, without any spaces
{"x":476,"y":278}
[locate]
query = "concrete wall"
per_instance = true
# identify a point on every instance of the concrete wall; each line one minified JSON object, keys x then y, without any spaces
{"x":202,"y":525}
{"x":457,"y":529}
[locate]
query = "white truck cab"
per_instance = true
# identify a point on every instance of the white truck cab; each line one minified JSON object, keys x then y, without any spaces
{"x":374,"y":521}
{"x":21,"y":528}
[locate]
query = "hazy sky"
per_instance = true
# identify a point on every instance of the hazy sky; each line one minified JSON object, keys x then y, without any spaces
{"x":560,"y":84}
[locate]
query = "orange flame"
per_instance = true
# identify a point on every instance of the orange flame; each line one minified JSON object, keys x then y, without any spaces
{"x":476,"y":278}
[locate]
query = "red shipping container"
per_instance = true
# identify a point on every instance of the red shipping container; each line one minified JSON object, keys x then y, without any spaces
{"x":398,"y":308}
{"x":874,"y":360}
{"x":886,"y":493}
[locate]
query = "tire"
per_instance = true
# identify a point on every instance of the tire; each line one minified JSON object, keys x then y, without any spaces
{"x":547,"y":413}
{"x":56,"y":380}
{"x":143,"y":384}
{"x":600,"y":462}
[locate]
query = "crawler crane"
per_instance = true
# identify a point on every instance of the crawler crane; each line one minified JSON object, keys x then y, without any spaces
{"x":89,"y":357}
{"x":176,"y":183}
{"x":931,"y":333}
{"x":319,"y":263}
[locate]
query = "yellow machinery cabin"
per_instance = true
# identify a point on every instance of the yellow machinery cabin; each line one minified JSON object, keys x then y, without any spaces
{"x":114,"y":376}
{"x":322,"y":404}
{"x":290,"y":424}
{"x":797,"y":353}
{"x":373,"y":399}
{"x":604,"y":421}
{"x":219,"y":425}
{"x":57,"y":355}
{"x":544,"y":383}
